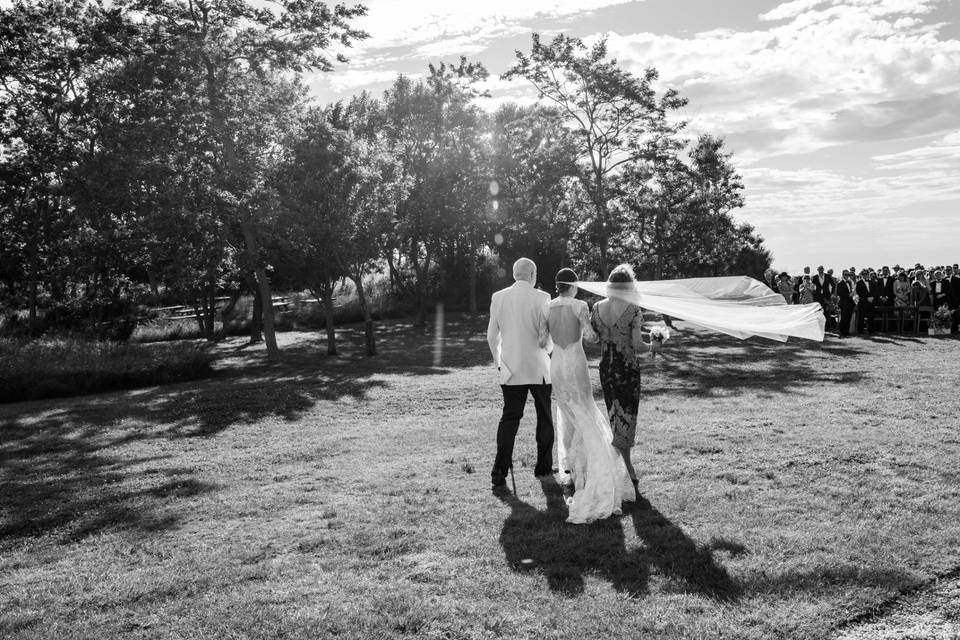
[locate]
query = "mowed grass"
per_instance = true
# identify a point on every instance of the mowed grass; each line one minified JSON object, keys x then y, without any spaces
{"x":794,"y":487}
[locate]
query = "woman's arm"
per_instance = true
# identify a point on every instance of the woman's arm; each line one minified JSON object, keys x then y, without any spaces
{"x":586,"y":324}
{"x":636,"y":325}
{"x":543,"y":327}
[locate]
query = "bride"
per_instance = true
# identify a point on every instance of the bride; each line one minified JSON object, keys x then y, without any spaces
{"x":584,"y":438}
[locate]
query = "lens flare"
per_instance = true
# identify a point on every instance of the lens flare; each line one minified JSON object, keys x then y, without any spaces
{"x":498,"y":238}
{"x":494,"y":187}
{"x":438,"y":336}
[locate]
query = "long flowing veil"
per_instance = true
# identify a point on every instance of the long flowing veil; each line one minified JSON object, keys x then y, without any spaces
{"x":736,"y":305}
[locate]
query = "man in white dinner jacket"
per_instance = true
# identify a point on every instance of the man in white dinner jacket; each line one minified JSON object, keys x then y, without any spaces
{"x":517,"y":316}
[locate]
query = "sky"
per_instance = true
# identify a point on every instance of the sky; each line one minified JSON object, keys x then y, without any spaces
{"x":843,"y":116}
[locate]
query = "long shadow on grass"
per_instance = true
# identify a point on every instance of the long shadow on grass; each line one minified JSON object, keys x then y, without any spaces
{"x":705,"y":364}
{"x":65,"y":473}
{"x":53,"y":483}
{"x":535,"y":540}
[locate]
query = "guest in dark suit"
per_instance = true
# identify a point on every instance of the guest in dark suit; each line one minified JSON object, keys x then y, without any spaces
{"x":886,"y":286}
{"x":865,"y":305}
{"x":953,"y":277}
{"x":829,"y":282}
{"x":847,"y":294}
{"x":879,"y":293}
{"x":821,"y":283}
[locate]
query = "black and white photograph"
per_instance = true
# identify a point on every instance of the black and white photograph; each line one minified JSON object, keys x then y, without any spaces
{"x":423,"y":319}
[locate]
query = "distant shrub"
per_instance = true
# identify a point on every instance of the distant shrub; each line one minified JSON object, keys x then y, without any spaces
{"x":161,"y":330}
{"x":307,"y":314}
{"x":93,"y":318}
{"x":164,"y":330}
{"x":49,"y":368}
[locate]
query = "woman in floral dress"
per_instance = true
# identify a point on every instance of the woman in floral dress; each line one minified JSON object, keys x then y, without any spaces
{"x":618,"y":323}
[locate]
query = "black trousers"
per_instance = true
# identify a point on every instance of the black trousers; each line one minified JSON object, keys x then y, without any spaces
{"x":865,"y":315}
{"x":846,"y":316}
{"x":514,"y":399}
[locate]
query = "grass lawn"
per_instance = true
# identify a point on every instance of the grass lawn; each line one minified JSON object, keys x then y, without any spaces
{"x":794,"y":487}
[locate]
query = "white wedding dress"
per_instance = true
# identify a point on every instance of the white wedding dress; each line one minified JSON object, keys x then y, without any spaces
{"x":583,"y":432}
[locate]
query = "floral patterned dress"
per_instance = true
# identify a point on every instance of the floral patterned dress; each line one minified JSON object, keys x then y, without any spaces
{"x":619,"y":375}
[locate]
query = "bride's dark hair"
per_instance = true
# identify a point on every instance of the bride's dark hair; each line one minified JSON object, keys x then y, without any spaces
{"x":565,"y":277}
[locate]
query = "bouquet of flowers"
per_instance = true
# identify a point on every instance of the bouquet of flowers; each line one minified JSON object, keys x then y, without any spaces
{"x":942,"y":318}
{"x":658,"y":335}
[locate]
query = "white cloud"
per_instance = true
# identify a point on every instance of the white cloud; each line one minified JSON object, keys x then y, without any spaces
{"x":790,"y":10}
{"x":940,"y":155}
{"x":847,"y":201}
{"x":815,"y":9}
{"x":812,"y":216}
{"x":467,"y":44}
{"x":836,"y":72}
{"x":391,"y":23}
{"x":352,"y":79}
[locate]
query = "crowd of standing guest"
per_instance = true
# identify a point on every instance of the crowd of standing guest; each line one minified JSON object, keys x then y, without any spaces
{"x":852,"y":301}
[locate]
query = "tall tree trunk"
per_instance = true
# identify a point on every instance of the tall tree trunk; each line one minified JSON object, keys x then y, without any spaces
{"x":369,"y":338}
{"x":33,"y":291}
{"x":327,"y":289}
{"x":474,"y":265}
{"x":421,"y":270}
{"x":261,"y":281}
{"x":604,"y":250}
{"x":263,"y":286}
{"x":256,"y":314}
{"x":209,"y":309}
{"x":198,"y":310}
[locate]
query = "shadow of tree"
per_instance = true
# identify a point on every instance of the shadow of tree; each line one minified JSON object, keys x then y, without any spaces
{"x":61,"y":471}
{"x":65,"y":472}
{"x":540,"y":540}
{"x":56,"y":483}
{"x":705,"y":364}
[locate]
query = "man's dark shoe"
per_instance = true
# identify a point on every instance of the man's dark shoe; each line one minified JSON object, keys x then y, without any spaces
{"x":500,"y":490}
{"x":498,"y":478}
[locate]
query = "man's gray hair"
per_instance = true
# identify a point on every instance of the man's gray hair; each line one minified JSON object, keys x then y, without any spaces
{"x":524,"y":269}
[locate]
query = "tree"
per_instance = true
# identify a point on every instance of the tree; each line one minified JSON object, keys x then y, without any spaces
{"x":378,"y":188}
{"x":616,"y":117}
{"x":228,"y":43}
{"x":534,"y":164}
{"x":317,"y":187}
{"x":681,"y":210}
{"x":719,"y":188}
{"x":46,"y":51}
{"x":147,"y":186}
{"x":427,"y":126}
